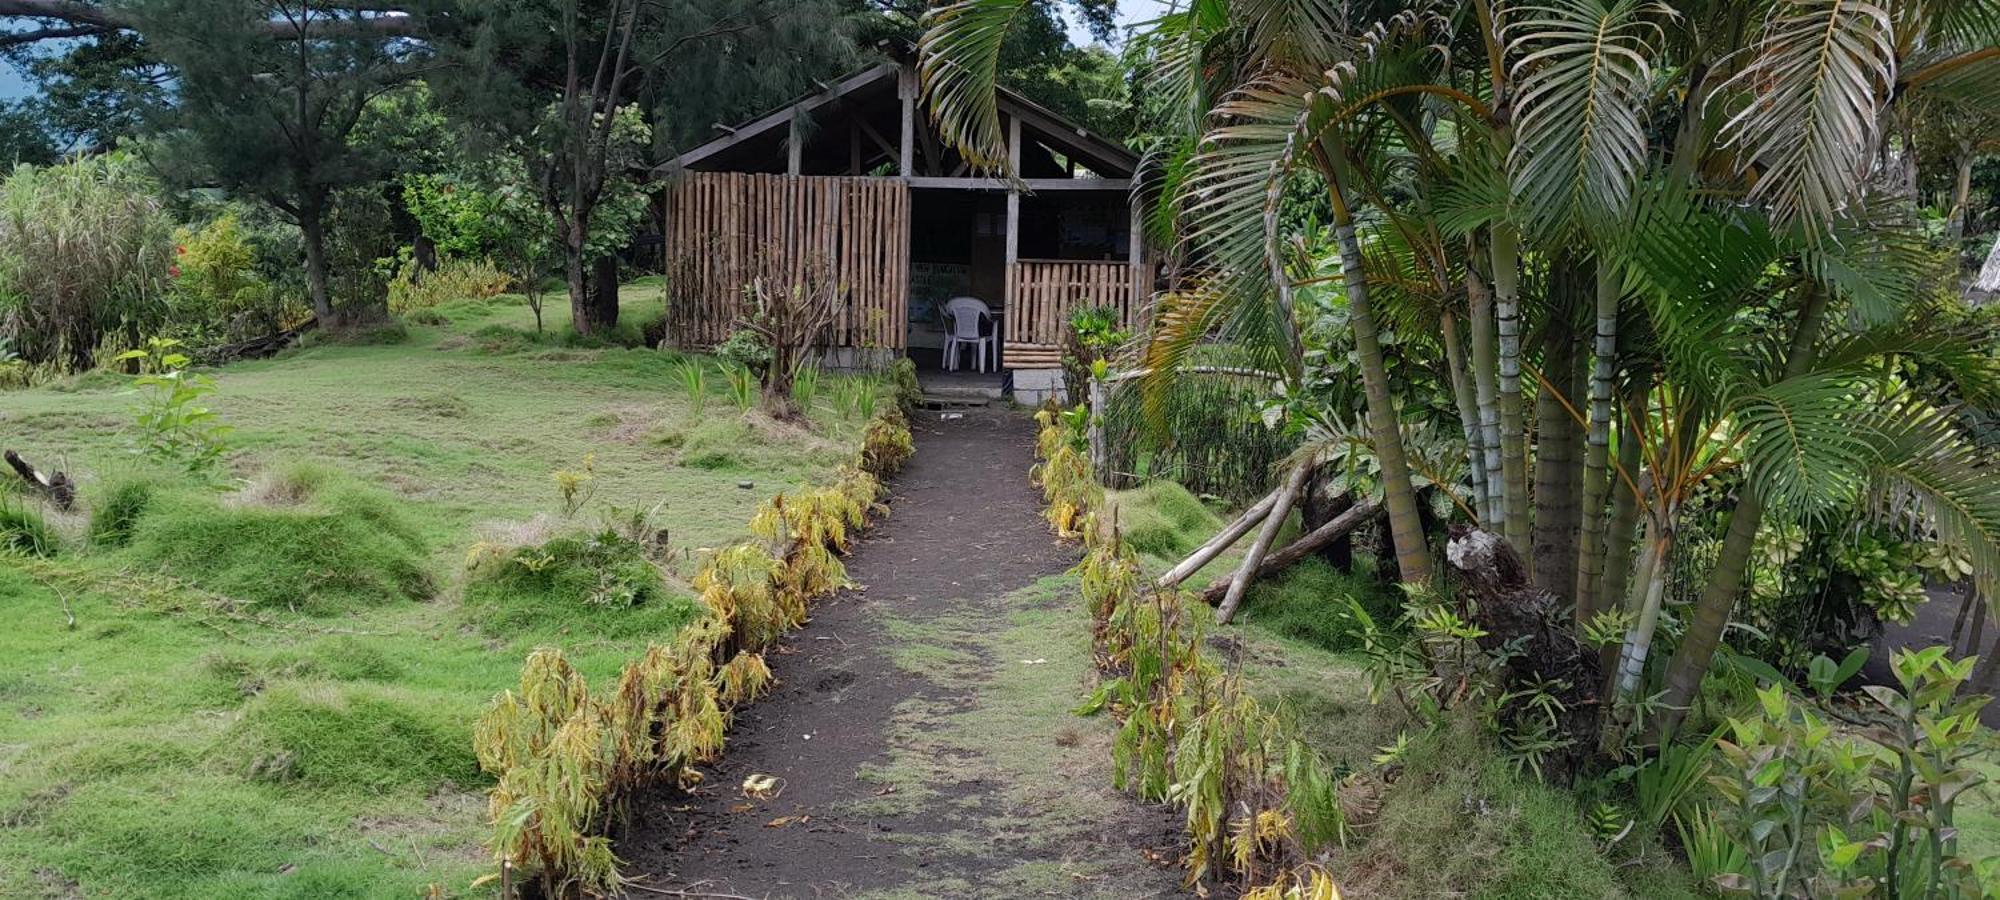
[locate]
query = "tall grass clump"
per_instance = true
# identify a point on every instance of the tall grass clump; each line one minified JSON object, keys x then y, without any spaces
{"x":303,"y":539}
{"x":693,"y":377}
{"x":23,"y":530}
{"x":86,"y":256}
{"x":116,"y":509}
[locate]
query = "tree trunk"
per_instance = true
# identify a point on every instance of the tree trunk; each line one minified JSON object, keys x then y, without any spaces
{"x":424,"y":252}
{"x":1319,"y":507}
{"x":1718,"y":597}
{"x":312,"y":229}
{"x":1558,"y":443}
{"x":1647,"y":593}
{"x":576,"y":280}
{"x":1956,"y":222}
{"x":1311,"y":542}
{"x":1280,"y":510}
{"x":1540,"y":641}
{"x":1413,"y":559}
{"x":1487,"y":388}
{"x":1468,"y":410}
{"x":1989,"y":274}
{"x":604,"y":294}
{"x":1625,"y":503}
{"x":1597,"y":453}
{"x":1513,"y":427}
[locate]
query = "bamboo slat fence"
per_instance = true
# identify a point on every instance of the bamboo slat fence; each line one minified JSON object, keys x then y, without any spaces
{"x":1046,"y":291}
{"x":725,"y":229}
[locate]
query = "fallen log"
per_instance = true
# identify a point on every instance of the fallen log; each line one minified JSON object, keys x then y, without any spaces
{"x":1223,"y":540}
{"x":1306,"y":545}
{"x":1267,"y":533}
{"x":58,"y":487}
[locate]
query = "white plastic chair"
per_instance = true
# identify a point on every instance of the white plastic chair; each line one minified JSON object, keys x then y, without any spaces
{"x":968,"y":317}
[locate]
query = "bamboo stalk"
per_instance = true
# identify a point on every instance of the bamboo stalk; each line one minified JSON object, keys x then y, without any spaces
{"x":1307,"y":544}
{"x":1222,"y":540}
{"x":1265,"y":535}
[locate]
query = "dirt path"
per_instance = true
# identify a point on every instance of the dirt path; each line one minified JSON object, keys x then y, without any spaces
{"x":922,"y":731}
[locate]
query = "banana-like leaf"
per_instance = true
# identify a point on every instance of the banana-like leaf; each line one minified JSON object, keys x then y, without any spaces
{"x":1584,"y":70}
{"x":1811,"y":96}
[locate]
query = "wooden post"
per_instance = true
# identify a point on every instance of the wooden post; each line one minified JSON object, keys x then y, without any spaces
{"x":853,"y":148}
{"x":1007,"y":305}
{"x":906,"y":89}
{"x":1135,"y":257}
{"x":792,"y":147}
{"x":1099,"y":459}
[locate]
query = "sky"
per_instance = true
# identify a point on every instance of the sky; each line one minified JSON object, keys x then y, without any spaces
{"x":1130,"y":12}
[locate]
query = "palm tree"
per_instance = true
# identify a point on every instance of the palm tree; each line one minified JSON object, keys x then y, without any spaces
{"x":1750,"y":209}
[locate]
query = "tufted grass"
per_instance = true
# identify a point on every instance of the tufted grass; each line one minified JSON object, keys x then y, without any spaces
{"x":269,"y":690}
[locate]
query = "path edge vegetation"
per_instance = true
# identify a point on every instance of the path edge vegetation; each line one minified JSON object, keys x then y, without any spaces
{"x":1260,"y":802}
{"x":568,"y":760}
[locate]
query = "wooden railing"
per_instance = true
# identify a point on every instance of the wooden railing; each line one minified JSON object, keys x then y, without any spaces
{"x":1043,"y":293}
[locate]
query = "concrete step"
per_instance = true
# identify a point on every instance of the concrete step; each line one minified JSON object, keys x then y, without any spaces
{"x":934,"y":400}
{"x":963,"y":391}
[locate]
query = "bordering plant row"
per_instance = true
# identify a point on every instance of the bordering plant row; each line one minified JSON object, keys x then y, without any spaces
{"x":566,"y":759}
{"x":1261,"y":805}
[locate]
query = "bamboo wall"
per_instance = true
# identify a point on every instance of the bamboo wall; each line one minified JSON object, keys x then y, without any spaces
{"x":1046,"y":291}
{"x":725,"y":229}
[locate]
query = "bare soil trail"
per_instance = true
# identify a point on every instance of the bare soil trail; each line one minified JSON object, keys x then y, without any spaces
{"x":921,"y":738}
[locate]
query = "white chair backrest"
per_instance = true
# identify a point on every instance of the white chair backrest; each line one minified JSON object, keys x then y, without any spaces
{"x":966,"y":313}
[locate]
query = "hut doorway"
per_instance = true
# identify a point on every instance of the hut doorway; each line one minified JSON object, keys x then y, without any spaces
{"x":958,"y":248}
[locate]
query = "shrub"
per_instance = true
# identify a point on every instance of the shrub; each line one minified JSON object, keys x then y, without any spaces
{"x":23,"y":530}
{"x":414,"y":289}
{"x":173,"y":425}
{"x":219,"y":292}
{"x":85,"y":254}
{"x":339,"y":547}
{"x":886,"y":444}
{"x":903,"y":376}
{"x":600,"y":582}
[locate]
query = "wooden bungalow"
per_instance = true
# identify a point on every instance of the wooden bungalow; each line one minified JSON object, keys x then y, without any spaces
{"x":851,"y":187}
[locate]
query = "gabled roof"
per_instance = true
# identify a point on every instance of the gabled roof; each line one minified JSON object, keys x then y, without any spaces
{"x":868,"y":99}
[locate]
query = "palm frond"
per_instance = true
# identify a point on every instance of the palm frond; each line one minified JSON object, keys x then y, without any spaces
{"x":958,"y":60}
{"x":1925,"y":465}
{"x":1811,"y":94}
{"x":1875,"y":257}
{"x":1806,"y":450}
{"x":1580,"y":132}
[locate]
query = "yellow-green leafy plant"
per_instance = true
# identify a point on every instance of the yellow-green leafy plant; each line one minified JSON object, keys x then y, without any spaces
{"x":1260,"y":804}
{"x":576,"y":486}
{"x":886,"y":443}
{"x":739,"y":586}
{"x":414,"y":289}
{"x":172,"y":422}
{"x":745,"y":678}
{"x":553,"y":756}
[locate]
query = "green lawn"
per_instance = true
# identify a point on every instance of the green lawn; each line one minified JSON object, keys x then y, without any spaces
{"x":237,"y":710}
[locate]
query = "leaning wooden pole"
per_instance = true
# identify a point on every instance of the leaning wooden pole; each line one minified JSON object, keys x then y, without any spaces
{"x":1265,"y":535}
{"x":1307,"y":544}
{"x":1223,"y":540}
